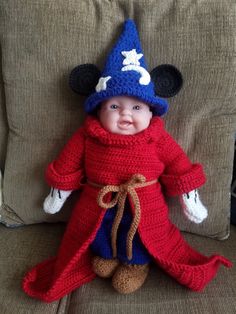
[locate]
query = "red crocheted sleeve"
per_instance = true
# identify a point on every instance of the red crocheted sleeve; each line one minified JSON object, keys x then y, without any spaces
{"x":67,"y":171}
{"x":180,"y":175}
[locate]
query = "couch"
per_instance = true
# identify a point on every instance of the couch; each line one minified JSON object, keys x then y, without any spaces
{"x":41,"y":42}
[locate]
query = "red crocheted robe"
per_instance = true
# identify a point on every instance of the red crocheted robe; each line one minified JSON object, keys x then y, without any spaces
{"x":105,"y":158}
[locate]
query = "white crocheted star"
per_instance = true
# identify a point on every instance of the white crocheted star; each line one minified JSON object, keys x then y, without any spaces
{"x":102,"y":83}
{"x":131,"y":57}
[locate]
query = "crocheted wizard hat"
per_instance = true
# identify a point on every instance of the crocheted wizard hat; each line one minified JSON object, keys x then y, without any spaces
{"x":125,"y":73}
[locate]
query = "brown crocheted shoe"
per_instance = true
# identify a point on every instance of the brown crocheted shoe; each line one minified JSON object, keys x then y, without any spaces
{"x":104,"y":268}
{"x":129,"y":278}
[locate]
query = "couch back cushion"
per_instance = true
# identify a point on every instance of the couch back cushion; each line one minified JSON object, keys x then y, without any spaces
{"x":43,"y":40}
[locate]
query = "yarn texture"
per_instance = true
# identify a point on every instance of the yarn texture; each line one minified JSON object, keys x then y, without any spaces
{"x":125,"y":73}
{"x":95,"y":155}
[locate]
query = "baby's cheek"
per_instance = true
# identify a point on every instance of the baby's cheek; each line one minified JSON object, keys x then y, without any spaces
{"x":109,"y":123}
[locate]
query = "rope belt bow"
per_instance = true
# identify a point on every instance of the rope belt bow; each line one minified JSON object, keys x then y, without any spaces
{"x":122,"y":191}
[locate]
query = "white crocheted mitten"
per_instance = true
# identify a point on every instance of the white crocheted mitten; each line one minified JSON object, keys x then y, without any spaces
{"x":193,"y":208}
{"x":55,"y":200}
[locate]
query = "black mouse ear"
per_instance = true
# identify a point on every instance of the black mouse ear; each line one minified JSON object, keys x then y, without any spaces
{"x":167,"y":80}
{"x":84,"y":78}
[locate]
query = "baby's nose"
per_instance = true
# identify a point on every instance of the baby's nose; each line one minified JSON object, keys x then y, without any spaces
{"x":125,"y":111}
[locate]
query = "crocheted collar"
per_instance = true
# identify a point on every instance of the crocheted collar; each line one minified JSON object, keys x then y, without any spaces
{"x":94,"y":129}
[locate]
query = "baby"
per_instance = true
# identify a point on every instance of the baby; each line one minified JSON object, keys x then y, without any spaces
{"x":123,"y":115}
{"x":124,"y":161}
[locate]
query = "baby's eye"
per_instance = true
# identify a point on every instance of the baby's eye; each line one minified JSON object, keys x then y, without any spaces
{"x":137,"y":107}
{"x":113,"y":106}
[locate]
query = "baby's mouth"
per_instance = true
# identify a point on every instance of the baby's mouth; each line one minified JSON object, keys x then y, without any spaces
{"x":124,"y":124}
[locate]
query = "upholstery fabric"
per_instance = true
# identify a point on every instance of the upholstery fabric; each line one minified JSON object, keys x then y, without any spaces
{"x":42,"y":41}
{"x":3,"y":123}
{"x":19,"y":249}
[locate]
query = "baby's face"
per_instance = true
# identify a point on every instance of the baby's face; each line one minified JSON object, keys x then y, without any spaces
{"x":124,"y":115}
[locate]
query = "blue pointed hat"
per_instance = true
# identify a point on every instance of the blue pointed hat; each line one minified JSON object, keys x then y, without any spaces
{"x":125,"y":74}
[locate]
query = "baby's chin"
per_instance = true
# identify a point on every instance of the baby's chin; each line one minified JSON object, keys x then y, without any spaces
{"x":125,"y":133}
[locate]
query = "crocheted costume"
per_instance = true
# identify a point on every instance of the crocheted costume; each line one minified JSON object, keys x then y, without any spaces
{"x":153,"y":154}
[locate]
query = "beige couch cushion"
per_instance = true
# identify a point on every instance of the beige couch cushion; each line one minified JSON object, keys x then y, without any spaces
{"x":43,"y":40}
{"x":3,"y":125}
{"x":3,"y":133}
{"x":20,"y":249}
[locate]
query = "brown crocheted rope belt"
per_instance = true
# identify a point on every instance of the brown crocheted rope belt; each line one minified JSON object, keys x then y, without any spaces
{"x":122,"y":191}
